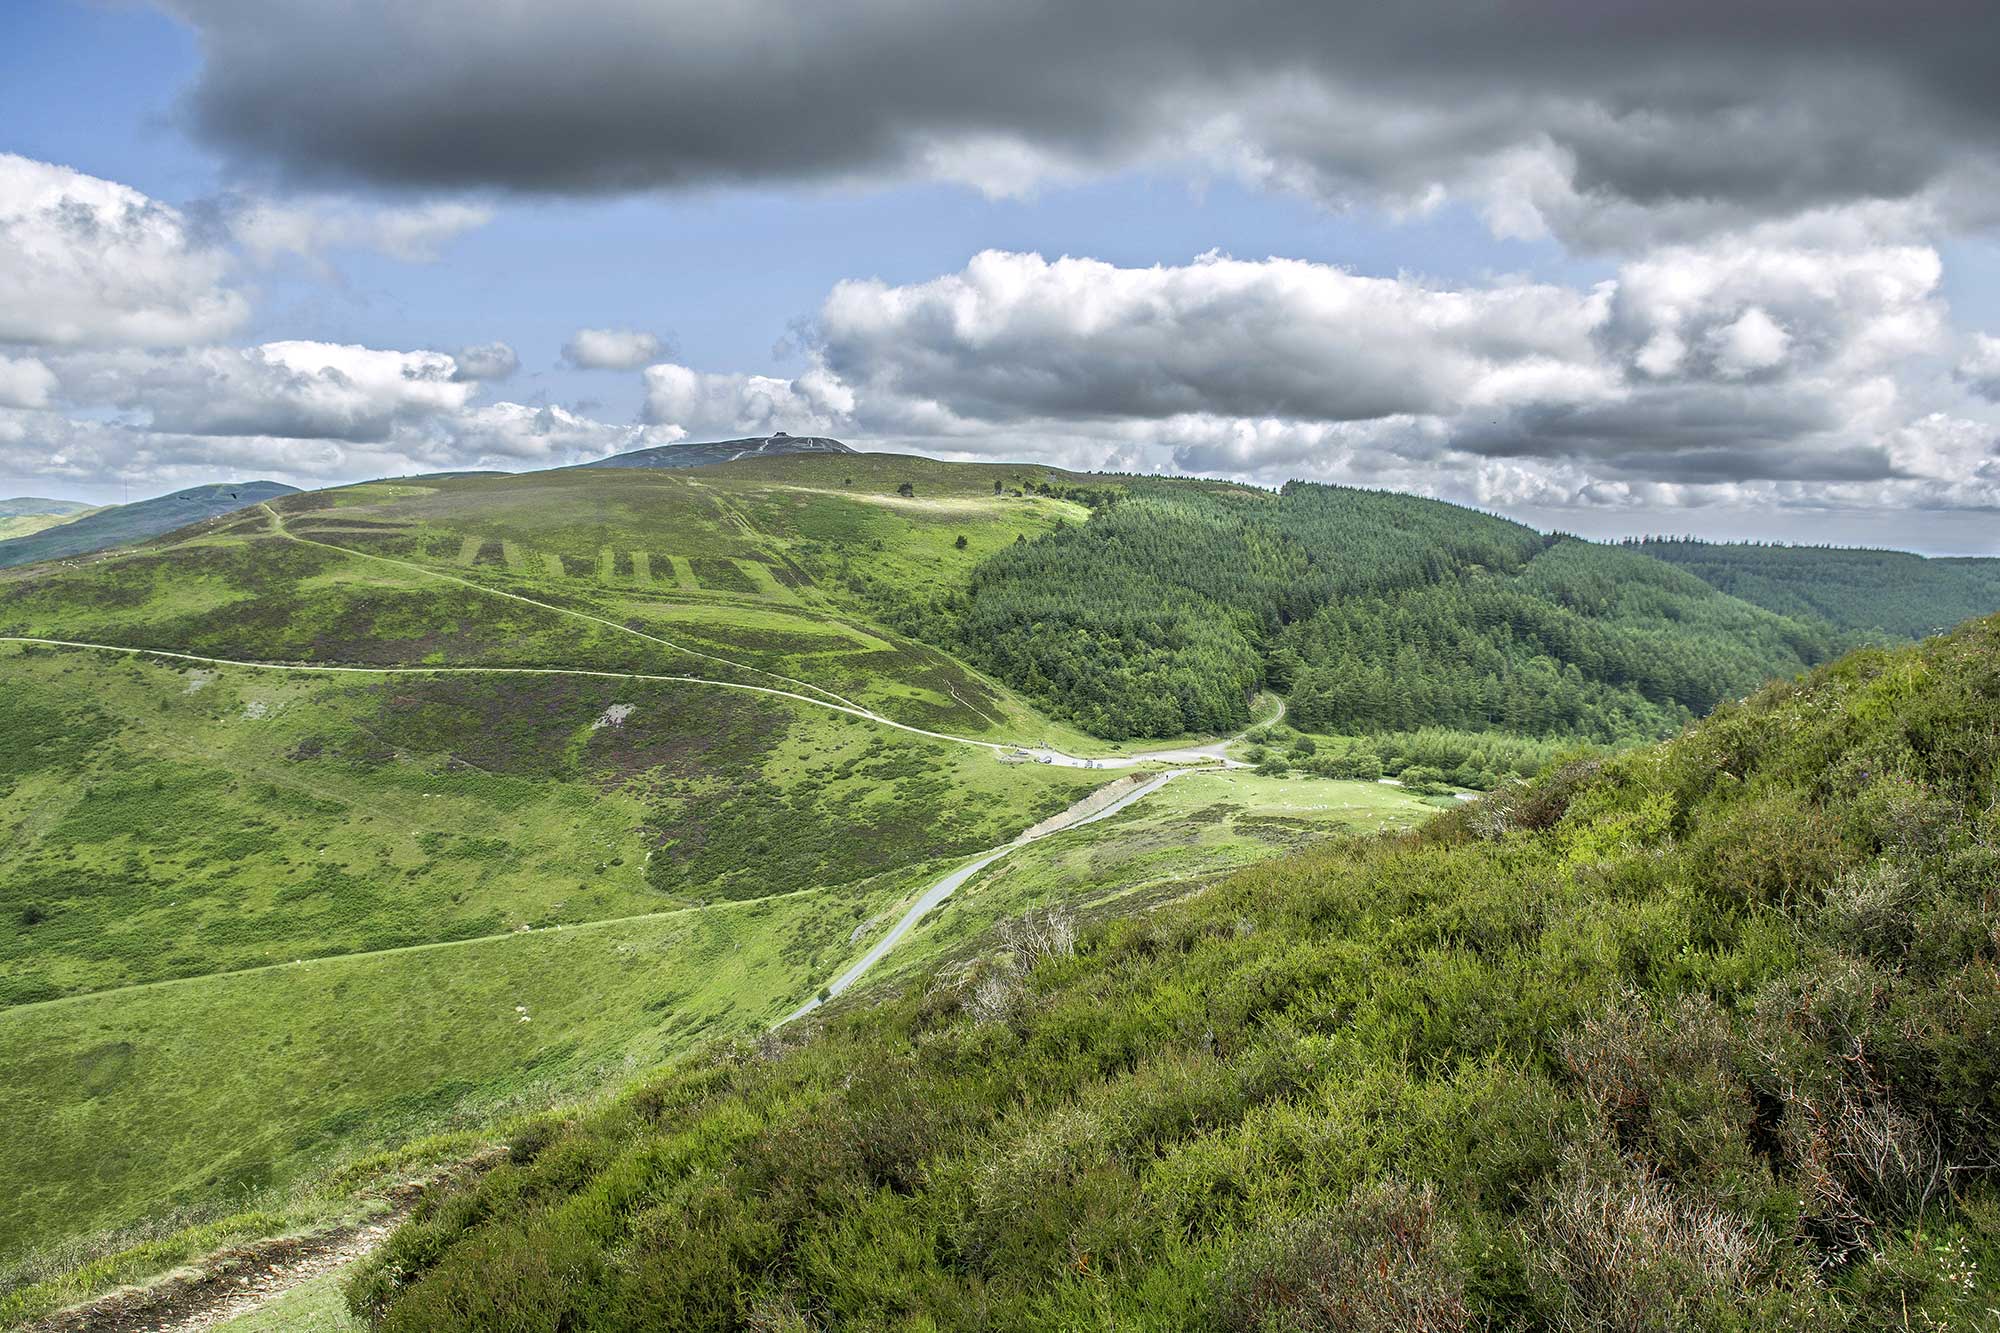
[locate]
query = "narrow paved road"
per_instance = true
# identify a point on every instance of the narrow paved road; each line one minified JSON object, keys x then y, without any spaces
{"x":1087,"y":811}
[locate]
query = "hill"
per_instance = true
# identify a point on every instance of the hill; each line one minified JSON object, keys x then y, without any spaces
{"x":1884,"y":592}
{"x":723,"y":451}
{"x":27,"y":514}
{"x":1703,"y":1036}
{"x":1374,"y":611}
{"x":119,"y":525}
{"x":368,"y":816}
{"x":28,"y":506}
{"x":342,"y":831}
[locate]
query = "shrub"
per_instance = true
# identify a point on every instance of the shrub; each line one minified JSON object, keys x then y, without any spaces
{"x":1047,"y":932}
{"x":1424,"y":780}
{"x":1382,"y":1262}
{"x":1627,"y":1252}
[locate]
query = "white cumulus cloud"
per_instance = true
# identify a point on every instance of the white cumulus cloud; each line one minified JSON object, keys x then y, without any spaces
{"x":698,"y":403}
{"x":612,"y":349}
{"x":86,"y":261}
{"x":25,"y":382}
{"x":414,"y":233}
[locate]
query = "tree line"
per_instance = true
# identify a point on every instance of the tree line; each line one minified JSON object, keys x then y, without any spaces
{"x":1167,"y":610}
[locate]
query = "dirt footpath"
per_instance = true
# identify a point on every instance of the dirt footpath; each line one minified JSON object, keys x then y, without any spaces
{"x":236,"y":1281}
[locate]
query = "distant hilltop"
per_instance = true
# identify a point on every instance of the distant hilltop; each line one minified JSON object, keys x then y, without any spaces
{"x":119,"y":525}
{"x":724,"y":451}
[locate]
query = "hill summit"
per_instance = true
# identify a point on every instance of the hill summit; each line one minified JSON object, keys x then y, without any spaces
{"x":117,"y":525}
{"x":724,"y":451}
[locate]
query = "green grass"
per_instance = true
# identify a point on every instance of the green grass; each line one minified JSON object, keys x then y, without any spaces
{"x":22,"y":525}
{"x":1700,"y":1036}
{"x":167,"y":820}
{"x":301,"y":1064}
{"x":173,"y":835}
{"x":231,"y":1087}
{"x":202,"y":826}
{"x":1197,"y":828}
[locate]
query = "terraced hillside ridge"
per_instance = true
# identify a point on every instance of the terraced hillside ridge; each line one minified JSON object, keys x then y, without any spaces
{"x":119,"y":525}
{"x":1890,"y":593}
{"x":337,"y":832}
{"x":1705,"y":1035}
{"x":693,"y":454}
{"x":27,"y":514}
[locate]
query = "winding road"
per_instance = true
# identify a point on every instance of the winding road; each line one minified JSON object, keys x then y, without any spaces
{"x":1089,"y":810}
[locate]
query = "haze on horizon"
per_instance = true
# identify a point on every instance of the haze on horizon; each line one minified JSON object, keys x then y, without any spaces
{"x":1699,"y":268}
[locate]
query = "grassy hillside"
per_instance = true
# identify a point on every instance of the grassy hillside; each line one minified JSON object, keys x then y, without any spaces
{"x":28,"y":506}
{"x":1706,"y":1035}
{"x":1886,"y":592}
{"x":167,"y":820}
{"x":327,"y":1059}
{"x":554,"y":570}
{"x":389,"y":811}
{"x":118,"y":525}
{"x":359,"y":817}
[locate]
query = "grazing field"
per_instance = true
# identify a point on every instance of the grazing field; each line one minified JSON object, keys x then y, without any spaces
{"x":768,"y":581}
{"x":22,"y":525}
{"x":168,"y":820}
{"x":216,"y":1089}
{"x":298,"y":1066}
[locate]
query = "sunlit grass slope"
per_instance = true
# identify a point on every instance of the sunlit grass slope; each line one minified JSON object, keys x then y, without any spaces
{"x":209,"y":1090}
{"x":219,"y":1089}
{"x":167,"y":820}
{"x":762,"y":579}
{"x":1706,"y":1035}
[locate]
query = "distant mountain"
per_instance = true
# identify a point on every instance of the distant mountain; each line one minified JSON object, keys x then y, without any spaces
{"x":27,"y":514}
{"x":31,"y":507}
{"x":1893,"y":592}
{"x":118,"y":525}
{"x":724,"y":451}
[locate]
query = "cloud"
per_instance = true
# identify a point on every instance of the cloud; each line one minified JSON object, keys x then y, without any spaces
{"x":1757,"y":366}
{"x":1017,"y":334}
{"x":695,"y":403}
{"x":1744,"y":307}
{"x":284,"y":390}
{"x":89,"y":262}
{"x":1980,"y":366}
{"x":487,"y":361}
{"x":612,"y":349}
{"x":1644,"y":122}
{"x":497,"y":436}
{"x":414,"y":233}
{"x":25,"y":382}
{"x":546,"y":436}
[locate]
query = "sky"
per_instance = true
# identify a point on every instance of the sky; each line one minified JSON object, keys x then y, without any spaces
{"x":1716,"y":268}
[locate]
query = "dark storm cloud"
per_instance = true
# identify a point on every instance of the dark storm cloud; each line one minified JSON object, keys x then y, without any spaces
{"x":1598,"y":115}
{"x":1691,"y":434}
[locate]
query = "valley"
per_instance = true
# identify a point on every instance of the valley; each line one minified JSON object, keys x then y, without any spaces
{"x":847,"y":667}
{"x":349,"y":830}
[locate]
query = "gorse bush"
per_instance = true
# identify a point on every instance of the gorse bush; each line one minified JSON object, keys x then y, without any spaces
{"x":1705,"y":1035}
